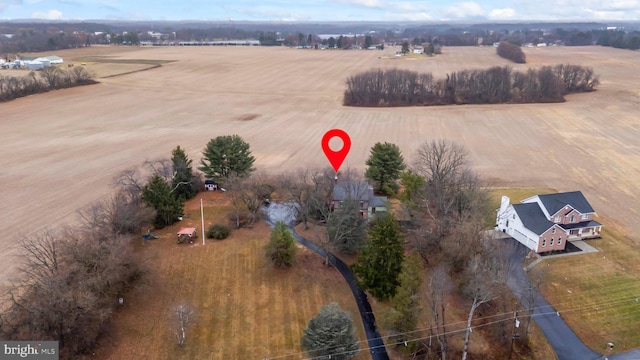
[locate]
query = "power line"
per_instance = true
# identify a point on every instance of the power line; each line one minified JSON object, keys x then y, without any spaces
{"x":606,"y":306}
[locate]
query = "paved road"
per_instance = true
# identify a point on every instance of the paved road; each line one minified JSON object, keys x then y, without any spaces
{"x":562,"y":339}
{"x":286,"y":213}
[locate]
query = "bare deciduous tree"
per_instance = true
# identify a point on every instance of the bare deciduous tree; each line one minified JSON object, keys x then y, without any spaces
{"x":480,"y":289}
{"x":439,"y":287}
{"x":233,"y":187}
{"x":309,"y":191}
{"x":183,"y":316}
{"x":66,"y":288}
{"x":254,"y":190}
{"x":451,"y":193}
{"x":161,"y":167}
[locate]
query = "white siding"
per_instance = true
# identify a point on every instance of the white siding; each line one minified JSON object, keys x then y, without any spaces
{"x":510,"y":223}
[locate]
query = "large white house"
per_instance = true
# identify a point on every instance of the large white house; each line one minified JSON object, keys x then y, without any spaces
{"x":546,"y":222}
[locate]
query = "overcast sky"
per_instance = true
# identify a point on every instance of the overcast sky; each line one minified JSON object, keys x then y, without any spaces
{"x":322,"y":10}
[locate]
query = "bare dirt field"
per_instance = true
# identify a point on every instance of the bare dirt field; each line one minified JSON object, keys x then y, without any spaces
{"x":61,"y":149}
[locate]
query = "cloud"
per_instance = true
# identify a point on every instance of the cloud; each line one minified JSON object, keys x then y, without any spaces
{"x":49,"y":15}
{"x":464,"y":10}
{"x":619,"y":5}
{"x":408,"y":11}
{"x":410,"y":7}
{"x":499,"y":14}
{"x":5,"y":3}
{"x":366,"y":3}
{"x":578,"y":9}
{"x":271,"y":14}
{"x":408,"y":16}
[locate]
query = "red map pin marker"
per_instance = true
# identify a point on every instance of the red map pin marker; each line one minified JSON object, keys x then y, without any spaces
{"x":336,"y":157}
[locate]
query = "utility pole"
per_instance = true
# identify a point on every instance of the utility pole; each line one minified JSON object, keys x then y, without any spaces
{"x":513,"y":333}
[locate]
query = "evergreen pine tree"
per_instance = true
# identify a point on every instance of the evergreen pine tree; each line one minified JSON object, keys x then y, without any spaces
{"x":380,"y":264}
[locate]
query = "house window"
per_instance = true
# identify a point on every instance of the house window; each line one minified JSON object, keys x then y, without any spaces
{"x":373,"y":210}
{"x":553,"y":230}
{"x":544,"y":242}
{"x":558,"y":219}
{"x":560,"y":240}
{"x":514,"y":216}
{"x":551,"y":242}
{"x":585,"y":216}
{"x":361,"y":204}
{"x":573,"y":219}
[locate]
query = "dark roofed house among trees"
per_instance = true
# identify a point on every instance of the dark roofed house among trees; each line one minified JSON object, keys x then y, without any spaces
{"x":369,"y":204}
{"x":546,"y":222}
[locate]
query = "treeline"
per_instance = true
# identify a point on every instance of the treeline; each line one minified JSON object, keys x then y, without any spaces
{"x":497,"y":85}
{"x":511,"y":52}
{"x":49,"y":78}
{"x":71,"y":279}
{"x":620,"y":40}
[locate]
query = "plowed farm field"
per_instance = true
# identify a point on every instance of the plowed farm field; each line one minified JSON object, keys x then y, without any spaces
{"x":61,"y":149}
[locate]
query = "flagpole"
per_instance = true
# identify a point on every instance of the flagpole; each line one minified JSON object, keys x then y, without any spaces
{"x":202,"y":218}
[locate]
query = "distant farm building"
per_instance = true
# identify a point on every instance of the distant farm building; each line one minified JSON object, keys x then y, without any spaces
{"x":34,"y":65}
{"x":221,"y":43}
{"x":39,"y":63}
{"x":54,"y":59}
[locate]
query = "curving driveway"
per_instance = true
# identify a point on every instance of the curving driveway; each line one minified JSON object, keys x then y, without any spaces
{"x":286,"y":213}
{"x":562,"y":339}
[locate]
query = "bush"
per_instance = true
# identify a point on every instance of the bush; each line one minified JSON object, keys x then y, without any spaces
{"x":218,"y":232}
{"x":512,"y":52}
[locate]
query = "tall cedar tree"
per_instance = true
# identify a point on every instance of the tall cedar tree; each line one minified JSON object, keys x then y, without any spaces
{"x":403,"y":318}
{"x":182,"y":183}
{"x":380,"y":264}
{"x":330,"y":335}
{"x":157,"y":195}
{"x":384,"y":167}
{"x":226,"y":156}
{"x":281,"y":249}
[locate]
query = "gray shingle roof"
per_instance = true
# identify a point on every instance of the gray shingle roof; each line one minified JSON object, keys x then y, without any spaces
{"x":532,"y":217}
{"x":584,"y":224}
{"x":378,"y":201}
{"x":554,"y":202}
{"x":344,"y":190}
